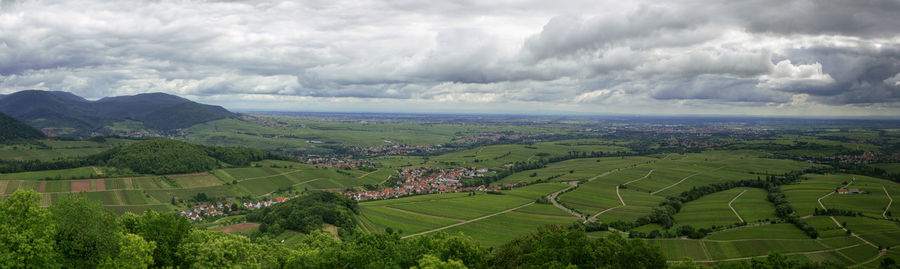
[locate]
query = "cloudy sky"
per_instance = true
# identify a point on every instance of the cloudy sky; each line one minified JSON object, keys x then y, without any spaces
{"x":758,"y":57}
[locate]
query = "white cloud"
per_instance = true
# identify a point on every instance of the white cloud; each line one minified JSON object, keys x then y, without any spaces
{"x":573,"y":55}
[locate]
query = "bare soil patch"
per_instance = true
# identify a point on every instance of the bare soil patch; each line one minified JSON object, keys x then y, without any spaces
{"x":43,"y":187}
{"x":333,"y":230}
{"x":100,"y":184}
{"x":81,"y":185}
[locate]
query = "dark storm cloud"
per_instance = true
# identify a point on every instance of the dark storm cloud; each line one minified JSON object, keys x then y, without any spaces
{"x":877,"y":18}
{"x":558,"y":53}
{"x":862,"y":74}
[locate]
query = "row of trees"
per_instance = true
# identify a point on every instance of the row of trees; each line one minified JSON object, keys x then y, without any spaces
{"x":664,"y":213}
{"x":154,"y":156}
{"x":535,"y":164}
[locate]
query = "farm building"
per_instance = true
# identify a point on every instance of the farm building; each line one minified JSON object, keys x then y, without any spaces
{"x":848,"y":191}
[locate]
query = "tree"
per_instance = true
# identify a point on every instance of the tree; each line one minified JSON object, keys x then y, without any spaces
{"x":87,"y":234}
{"x":783,"y":210}
{"x":26,"y":233}
{"x":687,"y":263}
{"x":556,"y":247}
{"x":166,"y":231}
{"x":134,"y":253}
{"x":432,"y":262}
{"x":209,"y":249}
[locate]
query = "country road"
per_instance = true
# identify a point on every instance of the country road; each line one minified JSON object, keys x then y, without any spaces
{"x":732,"y":208}
{"x":468,"y":221}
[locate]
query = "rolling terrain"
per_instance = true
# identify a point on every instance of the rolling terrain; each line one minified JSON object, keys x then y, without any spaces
{"x":604,"y":185}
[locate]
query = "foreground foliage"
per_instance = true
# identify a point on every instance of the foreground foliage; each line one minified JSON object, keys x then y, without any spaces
{"x":77,"y":233}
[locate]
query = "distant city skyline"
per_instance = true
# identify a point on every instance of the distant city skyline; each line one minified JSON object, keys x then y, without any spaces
{"x":758,"y":58}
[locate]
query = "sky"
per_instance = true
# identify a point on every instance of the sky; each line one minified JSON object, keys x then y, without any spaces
{"x":757,"y":57}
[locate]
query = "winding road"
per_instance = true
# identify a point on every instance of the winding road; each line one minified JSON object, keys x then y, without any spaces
{"x":732,"y":208}
{"x":552,"y":198}
{"x":891,"y":201}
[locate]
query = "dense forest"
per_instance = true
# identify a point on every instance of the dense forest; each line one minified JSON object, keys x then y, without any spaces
{"x":79,"y":233}
{"x":308,"y":213}
{"x":157,"y":156}
{"x":12,"y":129}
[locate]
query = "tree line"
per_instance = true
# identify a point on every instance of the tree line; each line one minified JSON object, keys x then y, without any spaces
{"x":154,"y":156}
{"x":664,"y":213}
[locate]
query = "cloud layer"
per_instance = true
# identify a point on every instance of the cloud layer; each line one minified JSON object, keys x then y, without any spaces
{"x":751,"y":57}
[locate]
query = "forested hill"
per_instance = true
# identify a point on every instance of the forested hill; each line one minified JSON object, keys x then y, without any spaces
{"x":157,"y":156}
{"x":158,"y":111}
{"x":165,"y":156}
{"x":12,"y":129}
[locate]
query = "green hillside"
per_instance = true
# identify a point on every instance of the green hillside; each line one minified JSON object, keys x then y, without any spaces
{"x":13,"y":129}
{"x":165,"y":156}
{"x":162,"y":156}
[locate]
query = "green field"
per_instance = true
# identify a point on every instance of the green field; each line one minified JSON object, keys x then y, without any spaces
{"x":81,"y":172}
{"x":135,"y":193}
{"x":428,"y":212}
{"x":709,"y":211}
{"x":48,"y":149}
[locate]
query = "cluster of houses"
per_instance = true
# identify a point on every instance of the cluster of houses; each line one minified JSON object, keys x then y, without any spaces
{"x":865,"y":157}
{"x":848,"y":191}
{"x":144,"y":134}
{"x":422,"y":180}
{"x":267,"y":203}
{"x":199,"y":212}
{"x":345,"y":162}
{"x":271,"y":122}
{"x":397,"y":150}
{"x":492,"y":137}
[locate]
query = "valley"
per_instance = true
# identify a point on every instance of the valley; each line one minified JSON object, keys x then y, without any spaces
{"x":713,"y":194}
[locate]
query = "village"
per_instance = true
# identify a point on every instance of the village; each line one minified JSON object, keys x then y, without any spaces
{"x":397,"y":150}
{"x":494,"y":137}
{"x":340,"y":162}
{"x":425,"y":180}
{"x":200,"y":212}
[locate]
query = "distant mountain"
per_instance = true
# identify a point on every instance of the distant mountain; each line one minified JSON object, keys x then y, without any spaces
{"x":12,"y":129}
{"x":66,"y":111}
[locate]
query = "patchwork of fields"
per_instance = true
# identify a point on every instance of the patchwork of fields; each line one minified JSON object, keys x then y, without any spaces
{"x":136,"y":194}
{"x":492,"y":219}
{"x":608,"y":189}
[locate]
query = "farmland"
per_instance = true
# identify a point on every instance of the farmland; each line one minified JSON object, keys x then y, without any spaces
{"x":136,"y":194}
{"x":617,"y":180}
